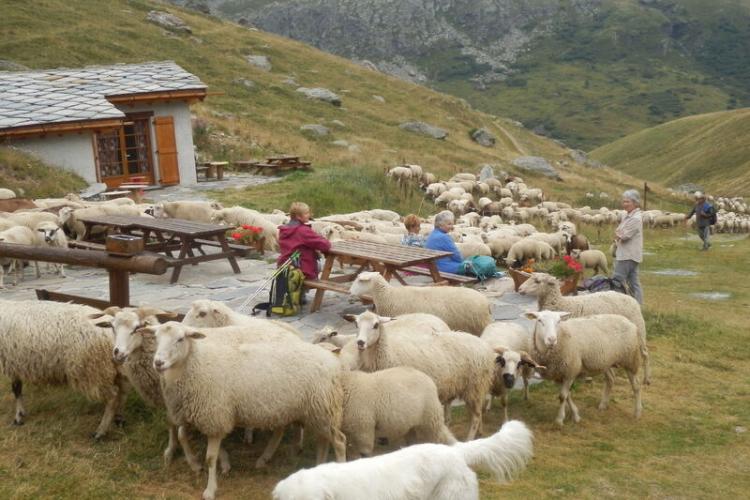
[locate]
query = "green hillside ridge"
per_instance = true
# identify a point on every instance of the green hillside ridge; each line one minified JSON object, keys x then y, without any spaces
{"x":237,"y":122}
{"x":29,"y":177}
{"x":710,"y":150}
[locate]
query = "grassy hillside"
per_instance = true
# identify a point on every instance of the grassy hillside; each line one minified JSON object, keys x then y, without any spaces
{"x":30,"y":178}
{"x":710,"y":150}
{"x":239,"y":121}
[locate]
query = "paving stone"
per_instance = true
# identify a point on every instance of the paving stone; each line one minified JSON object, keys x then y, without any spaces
{"x":223,"y":283}
{"x":506,"y":312}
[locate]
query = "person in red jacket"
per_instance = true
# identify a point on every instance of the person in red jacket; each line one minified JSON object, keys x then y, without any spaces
{"x":298,"y":235}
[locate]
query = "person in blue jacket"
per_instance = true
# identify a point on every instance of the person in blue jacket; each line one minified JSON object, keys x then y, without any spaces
{"x":439,"y":239}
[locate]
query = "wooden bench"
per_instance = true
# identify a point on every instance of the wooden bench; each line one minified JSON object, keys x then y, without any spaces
{"x":449,"y":277}
{"x":86,"y":245}
{"x":240,"y":250}
{"x":334,"y":286}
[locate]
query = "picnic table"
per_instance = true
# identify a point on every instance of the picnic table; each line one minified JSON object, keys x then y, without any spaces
{"x":211,"y":169}
{"x":274,"y":164}
{"x":388,"y":260}
{"x":169,"y":235}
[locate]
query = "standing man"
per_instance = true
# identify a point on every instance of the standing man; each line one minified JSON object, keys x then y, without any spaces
{"x":704,"y":215}
{"x":629,"y":242}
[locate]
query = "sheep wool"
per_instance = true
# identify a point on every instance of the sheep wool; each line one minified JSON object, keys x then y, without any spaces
{"x":55,"y":344}
{"x":463,"y":309}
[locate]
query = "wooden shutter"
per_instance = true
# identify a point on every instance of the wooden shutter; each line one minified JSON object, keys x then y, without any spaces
{"x":169,"y":172}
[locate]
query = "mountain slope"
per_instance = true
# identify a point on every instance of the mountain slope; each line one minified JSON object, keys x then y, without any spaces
{"x":710,"y":150}
{"x":585,"y":71}
{"x":252,"y":113}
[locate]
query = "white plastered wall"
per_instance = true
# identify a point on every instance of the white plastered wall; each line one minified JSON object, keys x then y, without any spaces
{"x":72,"y":151}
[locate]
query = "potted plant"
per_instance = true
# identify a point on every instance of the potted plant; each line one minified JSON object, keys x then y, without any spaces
{"x":251,"y":236}
{"x":566,"y":269}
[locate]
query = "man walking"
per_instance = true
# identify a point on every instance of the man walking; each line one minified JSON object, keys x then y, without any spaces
{"x":704,"y":217}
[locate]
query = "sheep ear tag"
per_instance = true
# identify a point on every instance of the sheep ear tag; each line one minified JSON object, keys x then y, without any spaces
{"x":351,"y":318}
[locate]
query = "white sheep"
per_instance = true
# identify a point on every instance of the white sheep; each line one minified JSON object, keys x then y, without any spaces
{"x":470,"y":248}
{"x":70,"y":218}
{"x":462,"y":309}
{"x":198,"y":211}
{"x":237,"y":216}
{"x":461,"y":365}
{"x":31,"y":219}
{"x":213,"y":314}
{"x":54,"y":343}
{"x":528,"y":249}
{"x":547,"y":290}
{"x":591,"y":259}
{"x":19,"y":235}
{"x":435,"y":189}
{"x":255,"y":379}
{"x":53,"y":236}
{"x":585,"y":346}
{"x":6,"y":194}
{"x":419,"y":472}
{"x":330,"y":335}
{"x":392,"y":404}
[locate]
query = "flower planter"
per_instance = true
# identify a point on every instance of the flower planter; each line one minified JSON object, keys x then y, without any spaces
{"x":567,"y":286}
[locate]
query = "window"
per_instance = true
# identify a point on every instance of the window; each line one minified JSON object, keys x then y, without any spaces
{"x":127,"y":151}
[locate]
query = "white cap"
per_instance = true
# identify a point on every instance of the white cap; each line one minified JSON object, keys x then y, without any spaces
{"x":698,"y":195}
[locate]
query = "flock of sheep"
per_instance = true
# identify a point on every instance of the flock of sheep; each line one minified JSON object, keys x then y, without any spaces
{"x":395,"y":378}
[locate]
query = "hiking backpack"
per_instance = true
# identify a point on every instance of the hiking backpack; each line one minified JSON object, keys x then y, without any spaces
{"x":285,"y":295}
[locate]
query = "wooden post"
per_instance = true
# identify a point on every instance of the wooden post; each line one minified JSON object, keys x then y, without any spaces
{"x":645,"y":195}
{"x":119,"y":288}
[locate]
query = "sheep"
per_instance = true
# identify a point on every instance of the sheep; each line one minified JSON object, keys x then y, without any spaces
{"x":592,"y":259}
{"x":19,"y":235}
{"x":470,"y":248}
{"x":198,"y":211}
{"x":547,"y":290}
{"x":391,"y":403}
{"x":13,"y":204}
{"x":464,"y":176}
{"x":508,"y":365}
{"x":555,"y":240}
{"x":32,"y":219}
{"x":576,"y":241}
{"x":462,"y":309}
{"x":461,"y":365}
{"x":6,"y":194}
{"x":528,"y":249}
{"x":53,"y":235}
{"x":330,"y":335}
{"x":53,"y":343}
{"x":237,"y":216}
{"x":402,"y":175}
{"x":428,"y":178}
{"x":585,"y":346}
{"x":435,"y":189}
{"x":416,"y":171}
{"x":214,"y":314}
{"x":511,"y":338}
{"x":419,"y":472}
{"x":255,"y":379}
{"x":69,"y":217}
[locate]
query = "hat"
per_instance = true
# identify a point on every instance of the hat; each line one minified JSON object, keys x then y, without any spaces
{"x":698,"y":195}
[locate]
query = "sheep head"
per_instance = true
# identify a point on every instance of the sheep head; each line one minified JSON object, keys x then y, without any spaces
{"x":365,"y":283}
{"x":537,"y":284}
{"x":369,"y":325}
{"x":173,"y":344}
{"x":324,"y":334}
{"x":546,"y":324}
{"x":129,"y":326}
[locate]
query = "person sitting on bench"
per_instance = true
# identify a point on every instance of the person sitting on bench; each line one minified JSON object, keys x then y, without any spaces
{"x":298,"y":235}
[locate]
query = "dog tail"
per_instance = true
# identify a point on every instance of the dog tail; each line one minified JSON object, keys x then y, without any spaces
{"x":504,"y":454}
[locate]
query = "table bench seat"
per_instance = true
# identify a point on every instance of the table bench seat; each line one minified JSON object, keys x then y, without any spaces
{"x":450,"y":277}
{"x":333,"y":287}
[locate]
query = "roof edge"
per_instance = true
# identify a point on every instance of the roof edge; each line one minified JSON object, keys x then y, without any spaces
{"x":60,"y":127}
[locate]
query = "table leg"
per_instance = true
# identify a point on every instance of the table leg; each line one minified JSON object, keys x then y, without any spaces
{"x":324,"y":275}
{"x":434,"y":272}
{"x":225,"y":248}
{"x":119,"y":288}
{"x":178,"y":265}
{"x":395,"y":274}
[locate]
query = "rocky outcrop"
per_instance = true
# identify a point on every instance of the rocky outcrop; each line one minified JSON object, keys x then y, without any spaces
{"x":321,"y":94}
{"x":536,"y":164}
{"x":424,"y":129}
{"x":168,"y":21}
{"x":315,"y":129}
{"x":259,"y":61}
{"x":483,"y":137}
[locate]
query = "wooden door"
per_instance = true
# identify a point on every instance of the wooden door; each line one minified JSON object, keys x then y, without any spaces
{"x":166,"y":150}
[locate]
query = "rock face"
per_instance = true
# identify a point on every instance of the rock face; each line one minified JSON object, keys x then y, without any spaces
{"x":424,"y":129}
{"x":321,"y":94}
{"x":168,"y":21}
{"x":537,"y":165}
{"x":315,"y":129}
{"x":260,"y":62}
{"x":483,"y":137}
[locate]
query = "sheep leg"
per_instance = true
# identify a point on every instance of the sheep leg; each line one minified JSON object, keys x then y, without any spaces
{"x":109,"y":415}
{"x":563,"y":397}
{"x":171,"y":445}
{"x":321,"y":450}
{"x":36,"y":266}
{"x":61,"y":270}
{"x":248,"y":435}
{"x":638,"y":406}
{"x":488,"y":407}
{"x":190,"y":457}
{"x":476,"y":419}
{"x":646,"y":365}
{"x":447,"y":412}
{"x":267,"y":454}
{"x":301,"y":441}
{"x":224,"y":461}
{"x":212,"y":453}
{"x":573,"y":409}
{"x":609,"y":380}
{"x":17,"y":387}
{"x":504,"y":399}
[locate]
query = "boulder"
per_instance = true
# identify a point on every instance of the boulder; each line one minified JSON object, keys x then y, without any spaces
{"x":341,"y":143}
{"x":486,"y":172}
{"x":168,"y":21}
{"x":260,"y":62}
{"x":424,"y":129}
{"x":338,"y":123}
{"x":315,"y":129}
{"x":379,"y":98}
{"x":483,"y":137}
{"x":320,"y":94}
{"x":537,"y":165}
{"x":244,"y":82}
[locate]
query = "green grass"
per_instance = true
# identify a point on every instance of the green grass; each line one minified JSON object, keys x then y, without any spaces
{"x":684,"y":446}
{"x":28,"y":177}
{"x":709,"y":150}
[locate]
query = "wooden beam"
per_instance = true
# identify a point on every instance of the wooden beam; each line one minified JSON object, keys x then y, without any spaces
{"x":199,"y":94}
{"x":62,"y":127}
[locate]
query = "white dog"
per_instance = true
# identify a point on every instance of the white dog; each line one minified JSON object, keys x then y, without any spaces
{"x":423,"y":471}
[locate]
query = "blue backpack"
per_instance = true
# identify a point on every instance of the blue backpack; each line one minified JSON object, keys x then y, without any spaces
{"x":481,"y":266}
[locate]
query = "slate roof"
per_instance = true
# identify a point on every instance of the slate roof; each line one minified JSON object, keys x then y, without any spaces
{"x":54,"y":96}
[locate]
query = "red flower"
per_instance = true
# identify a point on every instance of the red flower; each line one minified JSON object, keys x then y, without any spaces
{"x":237,"y":236}
{"x":247,"y":226}
{"x":256,"y":229}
